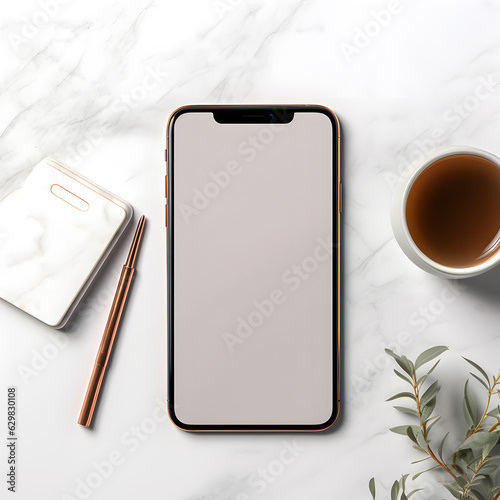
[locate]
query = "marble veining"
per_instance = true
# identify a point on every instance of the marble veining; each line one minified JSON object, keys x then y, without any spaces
{"x":93,"y":83}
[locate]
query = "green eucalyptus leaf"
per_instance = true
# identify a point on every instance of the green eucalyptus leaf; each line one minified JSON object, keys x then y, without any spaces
{"x":408,"y":411}
{"x":441,"y":446}
{"x":412,"y":366}
{"x":434,"y":367}
{"x":495,"y":413}
{"x":481,"y":381}
{"x":429,"y":393}
{"x":404,"y":377}
{"x":423,"y":472}
{"x":479,"y":369}
{"x":469,"y":406}
{"x":461,"y":464}
{"x":454,"y":489}
{"x":430,"y":423}
{"x":474,"y":495}
{"x":474,"y":461}
{"x":411,"y":434}
{"x":421,"y":439}
{"x":421,"y":380}
{"x":487,"y":469}
{"x":371,"y":486}
{"x":403,"y":481}
{"x":428,"y":409}
{"x":402,"y":361}
{"x":467,"y":416}
{"x":488,"y":447}
{"x":395,"y":490}
{"x":479,"y":440}
{"x":493,"y":457}
{"x":402,"y":395}
{"x":465,"y":457}
{"x":483,"y":485}
{"x":412,"y":492}
{"x":429,"y":355}
{"x":403,"y":429}
{"x":487,"y":483}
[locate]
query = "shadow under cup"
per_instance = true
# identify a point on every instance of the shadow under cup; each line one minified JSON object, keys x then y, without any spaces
{"x":453,"y":210}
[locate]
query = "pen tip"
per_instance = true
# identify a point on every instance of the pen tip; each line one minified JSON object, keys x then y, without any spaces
{"x":135,"y":243}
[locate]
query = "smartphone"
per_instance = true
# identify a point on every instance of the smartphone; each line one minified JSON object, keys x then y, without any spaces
{"x":253,"y":207}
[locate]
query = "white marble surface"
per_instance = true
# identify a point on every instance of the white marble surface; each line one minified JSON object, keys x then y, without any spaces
{"x":93,"y":83}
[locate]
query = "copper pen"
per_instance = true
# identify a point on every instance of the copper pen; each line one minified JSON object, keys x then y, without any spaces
{"x":109,"y":334}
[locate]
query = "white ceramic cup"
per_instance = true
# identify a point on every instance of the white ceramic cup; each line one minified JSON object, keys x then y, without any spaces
{"x":400,"y":227}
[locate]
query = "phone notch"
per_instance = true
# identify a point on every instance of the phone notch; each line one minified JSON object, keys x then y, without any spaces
{"x":250,"y":114}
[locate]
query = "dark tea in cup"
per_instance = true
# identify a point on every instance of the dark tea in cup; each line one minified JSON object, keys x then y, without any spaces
{"x":445,"y":212}
{"x":453,"y":210}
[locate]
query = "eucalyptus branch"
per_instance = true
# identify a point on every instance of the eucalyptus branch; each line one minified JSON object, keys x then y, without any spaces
{"x":469,"y":483}
{"x":476,"y":476}
{"x":485,"y":413}
{"x":424,"y":429}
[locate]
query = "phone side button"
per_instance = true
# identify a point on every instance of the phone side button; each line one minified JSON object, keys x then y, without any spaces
{"x":340,"y":197}
{"x":166,"y":215}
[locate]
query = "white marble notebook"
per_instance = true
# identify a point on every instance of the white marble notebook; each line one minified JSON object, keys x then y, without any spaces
{"x":55,"y":232}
